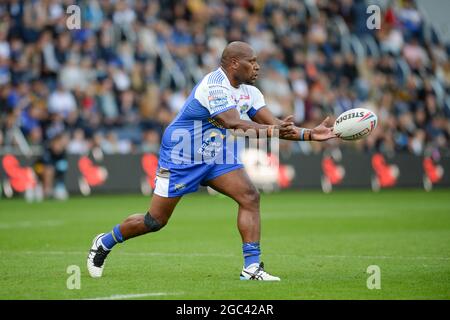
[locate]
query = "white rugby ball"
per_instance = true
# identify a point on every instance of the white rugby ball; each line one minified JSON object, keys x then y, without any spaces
{"x":355,"y":124}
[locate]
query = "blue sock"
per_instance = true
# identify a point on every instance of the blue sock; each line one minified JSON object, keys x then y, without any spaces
{"x":109,"y":240}
{"x":251,"y":253}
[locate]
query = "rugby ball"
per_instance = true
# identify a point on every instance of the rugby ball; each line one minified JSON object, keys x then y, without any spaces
{"x":355,"y":124}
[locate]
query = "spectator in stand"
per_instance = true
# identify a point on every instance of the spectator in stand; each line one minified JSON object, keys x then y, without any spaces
{"x":132,"y":62}
{"x":52,"y":166}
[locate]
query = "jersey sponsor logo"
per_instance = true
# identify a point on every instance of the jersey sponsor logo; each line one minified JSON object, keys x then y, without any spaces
{"x":218,"y":86}
{"x":217,"y":103}
{"x":179,"y":186}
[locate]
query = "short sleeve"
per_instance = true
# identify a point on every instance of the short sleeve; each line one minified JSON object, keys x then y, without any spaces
{"x":215,"y":98}
{"x":257,"y":101}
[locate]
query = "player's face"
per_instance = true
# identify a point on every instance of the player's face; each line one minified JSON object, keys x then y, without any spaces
{"x":248,"y":69}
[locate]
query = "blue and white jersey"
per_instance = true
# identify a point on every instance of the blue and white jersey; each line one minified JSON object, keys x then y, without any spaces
{"x":194,"y":136}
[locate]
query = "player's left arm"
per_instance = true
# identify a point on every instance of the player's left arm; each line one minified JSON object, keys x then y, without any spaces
{"x":320,"y":133}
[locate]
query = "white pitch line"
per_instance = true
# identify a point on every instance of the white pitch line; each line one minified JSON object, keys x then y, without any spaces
{"x":145,"y":254}
{"x":177,"y":254}
{"x":379,"y":257}
{"x":31,"y":224}
{"x":134,"y":296}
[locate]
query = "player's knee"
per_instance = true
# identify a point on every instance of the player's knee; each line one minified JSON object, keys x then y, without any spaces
{"x":152,"y":224}
{"x":250,"y":198}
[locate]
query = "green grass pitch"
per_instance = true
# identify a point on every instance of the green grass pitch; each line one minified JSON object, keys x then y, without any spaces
{"x":320,"y":245}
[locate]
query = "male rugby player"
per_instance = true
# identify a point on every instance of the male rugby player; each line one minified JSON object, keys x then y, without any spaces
{"x":216,"y":103}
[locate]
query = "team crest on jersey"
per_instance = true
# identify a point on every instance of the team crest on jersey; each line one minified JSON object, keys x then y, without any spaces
{"x":212,"y":145}
{"x":243,"y":109}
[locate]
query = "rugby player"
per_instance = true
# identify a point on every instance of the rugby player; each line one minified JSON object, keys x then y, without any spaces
{"x":216,"y":104}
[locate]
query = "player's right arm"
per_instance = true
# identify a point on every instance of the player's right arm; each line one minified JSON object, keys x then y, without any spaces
{"x":230,"y":119}
{"x":218,"y":100}
{"x":261,"y":114}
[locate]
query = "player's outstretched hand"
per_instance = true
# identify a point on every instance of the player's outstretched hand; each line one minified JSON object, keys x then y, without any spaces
{"x":323,"y":132}
{"x":287,"y":128}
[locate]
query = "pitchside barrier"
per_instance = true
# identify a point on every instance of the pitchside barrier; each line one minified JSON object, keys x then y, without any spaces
{"x":327,"y":171}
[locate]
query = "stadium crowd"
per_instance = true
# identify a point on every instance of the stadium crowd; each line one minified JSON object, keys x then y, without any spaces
{"x":120,"y":79}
